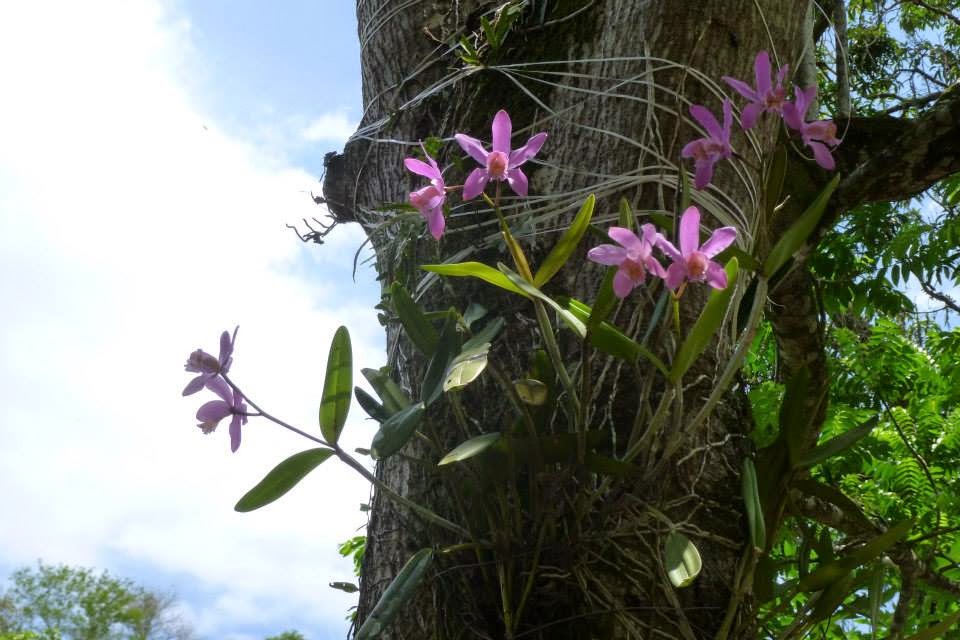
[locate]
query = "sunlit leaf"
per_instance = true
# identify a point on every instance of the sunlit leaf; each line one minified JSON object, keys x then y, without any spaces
{"x":566,"y":245}
{"x":682,"y":560}
{"x":335,"y":401}
{"x":282,"y":478}
{"x":469,"y":449}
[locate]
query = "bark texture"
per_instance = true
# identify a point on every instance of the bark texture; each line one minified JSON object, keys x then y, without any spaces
{"x":613,"y":131}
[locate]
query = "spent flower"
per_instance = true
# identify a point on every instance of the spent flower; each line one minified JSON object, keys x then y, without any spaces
{"x":500,"y":163}
{"x":766,"y":96}
{"x":707,"y":151}
{"x":693,"y":261}
{"x":429,"y":200}
{"x":633,"y":258}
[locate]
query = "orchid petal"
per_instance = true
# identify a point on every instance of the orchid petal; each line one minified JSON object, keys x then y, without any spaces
{"x":704,"y":172}
{"x":421,"y":168}
{"x":213,"y":411}
{"x":502,"y":130}
{"x":782,"y":74}
{"x":650,"y":234}
{"x":822,"y":155}
{"x":195,"y":385}
{"x":750,"y":115}
{"x":742,"y":88}
{"x":235,"y":432}
{"x":689,"y":231}
{"x":676,"y":273}
{"x":669,"y":249}
{"x":226,"y":347}
{"x":653,"y":266}
{"x":690,"y":149}
{"x":528,"y":150}
{"x":220,"y":387}
{"x":517,"y":180}
{"x":720,"y":240}
{"x":473,"y":147}
{"x":607,"y":254}
{"x":792,"y":116}
{"x":716,"y":276}
{"x":436,"y":222}
{"x":727,"y":122}
{"x":625,"y":238}
{"x":761,"y":71}
{"x":475,"y":184}
{"x":622,"y":284}
{"x":707,"y":120}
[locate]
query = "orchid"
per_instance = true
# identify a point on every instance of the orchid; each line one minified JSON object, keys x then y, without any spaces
{"x":766,"y":97}
{"x":429,"y":199}
{"x":500,"y":163}
{"x":634,"y":257}
{"x":693,"y":261}
{"x":817,"y":134}
{"x":231,"y":403}
{"x":716,"y":146}
{"x":207,"y":366}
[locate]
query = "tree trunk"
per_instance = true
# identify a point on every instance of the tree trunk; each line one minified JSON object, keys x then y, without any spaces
{"x":623,"y":70}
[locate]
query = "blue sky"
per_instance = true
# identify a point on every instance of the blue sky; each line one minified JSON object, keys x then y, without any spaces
{"x":152,"y":153}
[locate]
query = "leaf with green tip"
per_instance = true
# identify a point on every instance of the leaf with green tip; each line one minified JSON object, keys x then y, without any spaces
{"x":682,"y":560}
{"x":335,"y":401}
{"x":415,"y":324}
{"x":794,"y":238}
{"x":470,"y":448}
{"x":532,"y":292}
{"x":447,"y":348}
{"x":396,"y":431}
{"x":466,"y":367}
{"x":706,"y":325}
{"x":393,"y":397}
{"x":396,"y":595}
{"x":369,"y":404}
{"x":625,"y":218}
{"x":835,"y":445}
{"x":606,"y":300}
{"x":282,"y":478}
{"x":566,"y":245}
{"x":475,"y":270}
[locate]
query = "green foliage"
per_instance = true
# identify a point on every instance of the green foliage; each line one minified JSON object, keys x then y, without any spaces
{"x":288,"y":635}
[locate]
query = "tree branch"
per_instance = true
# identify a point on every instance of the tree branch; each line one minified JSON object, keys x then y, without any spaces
{"x":943,"y":12}
{"x":938,"y":295}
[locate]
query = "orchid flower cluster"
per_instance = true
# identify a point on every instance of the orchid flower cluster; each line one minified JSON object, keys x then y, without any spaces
{"x":499,"y":164}
{"x":211,"y":374}
{"x":819,"y":135}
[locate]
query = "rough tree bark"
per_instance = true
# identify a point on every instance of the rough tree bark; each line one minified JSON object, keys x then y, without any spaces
{"x":406,"y":51}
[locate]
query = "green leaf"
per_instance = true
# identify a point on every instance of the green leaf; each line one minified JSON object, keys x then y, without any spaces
{"x":831,"y":598}
{"x":447,"y":348}
{"x":830,"y":572}
{"x":369,"y":404}
{"x":835,"y":445}
{"x":794,"y":419}
{"x":396,"y":595}
{"x":393,"y":397}
{"x":473,"y":313}
{"x":612,"y":341}
{"x":470,"y":448}
{"x":566,"y":245}
{"x":775,"y":177}
{"x":282,"y":478}
{"x":684,"y":189}
{"x":876,"y":598}
{"x":532,"y":292}
{"x":608,"y":466}
{"x":475,"y":270}
{"x":682,"y":560}
{"x":626,"y":218}
{"x":335,"y":401}
{"x":939,"y":630}
{"x":706,"y":325}
{"x":490,"y":331}
{"x":532,"y":392}
{"x":418,"y":328}
{"x":606,"y":300}
{"x":396,"y":431}
{"x":797,"y":234}
{"x":751,"y":499}
{"x":346,"y":587}
{"x":466,"y":367}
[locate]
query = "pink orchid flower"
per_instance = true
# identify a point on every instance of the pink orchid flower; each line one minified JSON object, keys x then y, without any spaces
{"x":716,"y":146}
{"x":693,"y":261}
{"x":818,"y":134}
{"x":500,"y":163}
{"x":765,"y":97}
{"x":230,"y":404}
{"x":634,"y":257}
{"x":429,"y":199}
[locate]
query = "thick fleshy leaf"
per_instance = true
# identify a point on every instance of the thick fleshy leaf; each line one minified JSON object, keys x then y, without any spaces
{"x":415,"y":324}
{"x":612,"y":341}
{"x":531,"y":291}
{"x":282,"y":478}
{"x":830,"y":598}
{"x":835,"y":445}
{"x":346,"y":587}
{"x":369,"y":404}
{"x":396,"y":595}
{"x":393,"y":397}
{"x":751,"y":500}
{"x":469,"y":449}
{"x":447,"y":347}
{"x":532,"y":392}
{"x":466,"y":367}
{"x":706,"y":325}
{"x":681,"y":559}
{"x":475,"y":270}
{"x":794,"y":420}
{"x":605,"y":302}
{"x":396,"y":431}
{"x":567,"y":243}
{"x":335,"y":402}
{"x":490,"y":331}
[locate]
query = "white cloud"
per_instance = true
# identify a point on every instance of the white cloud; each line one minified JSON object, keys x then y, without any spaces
{"x":334,"y":126}
{"x":132,"y":230}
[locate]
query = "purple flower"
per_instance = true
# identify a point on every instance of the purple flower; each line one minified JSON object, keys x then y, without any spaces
{"x":634,"y":257}
{"x":500,"y":163}
{"x":816,"y":135}
{"x":765,"y":97}
{"x":716,"y":146}
{"x":207,"y":366}
{"x":693,"y":262}
{"x":231,"y":403}
{"x":429,"y":199}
